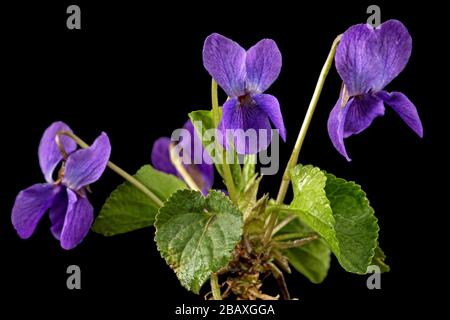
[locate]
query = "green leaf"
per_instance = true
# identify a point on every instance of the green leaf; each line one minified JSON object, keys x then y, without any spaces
{"x":378,"y":259}
{"x":356,"y":225}
{"x":312,"y":203}
{"x":203,"y":123}
{"x":255,"y":219}
{"x":339,"y":212}
{"x":248,"y":197}
{"x":248,"y":169}
{"x":236,"y":171}
{"x":313,"y":259}
{"x":197,"y":235}
{"x":128,"y":209}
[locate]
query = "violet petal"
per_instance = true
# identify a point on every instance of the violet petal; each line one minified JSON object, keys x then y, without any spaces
{"x":270,"y":105}
{"x":362,"y":110}
{"x":200,"y":166}
{"x":355,"y":117}
{"x":207,"y":172}
{"x":49,"y":154}
{"x":57,"y":214}
{"x":394,"y":49}
{"x":404,"y":108}
{"x":263,"y":65}
{"x":161,"y":156}
{"x":367,"y":59}
{"x":78,"y":220}
{"x":193,"y":146}
{"x":224,"y":59}
{"x":336,"y":122}
{"x":248,"y":126}
{"x":85,"y":166}
{"x":29,"y":207}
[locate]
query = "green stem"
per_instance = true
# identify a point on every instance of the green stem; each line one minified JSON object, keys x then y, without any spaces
{"x":228,"y":178}
{"x":301,"y":137}
{"x":273,"y":217}
{"x":297,"y":243}
{"x":136,"y":183}
{"x":248,"y":170}
{"x":215,"y":288}
{"x":291,"y":236}
{"x":284,"y":223}
{"x":306,"y":122}
{"x":215,"y":103}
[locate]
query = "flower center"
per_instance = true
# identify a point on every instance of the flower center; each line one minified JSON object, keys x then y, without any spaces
{"x":245,"y":101}
{"x":61,"y":173}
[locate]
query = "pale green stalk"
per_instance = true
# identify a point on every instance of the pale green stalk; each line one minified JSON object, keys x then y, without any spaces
{"x":228,"y":178}
{"x":301,"y":137}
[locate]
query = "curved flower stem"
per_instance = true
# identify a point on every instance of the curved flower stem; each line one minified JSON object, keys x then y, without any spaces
{"x":215,"y":288}
{"x":136,"y":183}
{"x":176,"y":161}
{"x":305,"y":126}
{"x":302,"y":134}
{"x":228,"y":178}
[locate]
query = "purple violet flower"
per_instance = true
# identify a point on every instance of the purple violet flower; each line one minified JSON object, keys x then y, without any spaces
{"x":71,"y":213}
{"x":202,"y":174}
{"x":244,"y":76}
{"x":367,"y":60}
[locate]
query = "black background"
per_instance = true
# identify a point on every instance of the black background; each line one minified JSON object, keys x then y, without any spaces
{"x":135,"y":72}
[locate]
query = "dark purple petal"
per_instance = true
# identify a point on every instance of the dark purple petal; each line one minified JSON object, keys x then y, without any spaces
{"x":85,"y":166}
{"x":394,"y":50}
{"x":263,"y":65}
{"x":200,"y":167}
{"x":190,"y":127}
{"x":248,"y":124}
{"x":405,"y":109}
{"x":269,"y":104}
{"x":207,"y":171}
{"x":362,"y":110}
{"x":355,"y":117}
{"x":353,"y":59}
{"x":161,"y":156}
{"x":30,"y":206}
{"x":57,"y":214}
{"x":336,"y":122}
{"x":193,"y":146}
{"x":49,"y":154}
{"x":202,"y":173}
{"x":224,"y":59}
{"x":78,"y":220}
{"x":367,"y":59}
